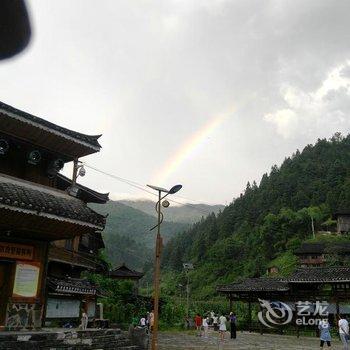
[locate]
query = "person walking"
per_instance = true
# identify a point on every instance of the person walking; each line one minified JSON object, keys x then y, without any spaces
{"x":215,"y":322}
{"x":233,"y":327}
{"x":222,"y":326}
{"x":198,"y":322}
{"x":325,"y":333}
{"x":151,"y":320}
{"x":205,"y":325}
{"x":343,"y":325}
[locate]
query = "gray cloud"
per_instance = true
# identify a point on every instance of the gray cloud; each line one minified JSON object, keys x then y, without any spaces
{"x":148,"y":75}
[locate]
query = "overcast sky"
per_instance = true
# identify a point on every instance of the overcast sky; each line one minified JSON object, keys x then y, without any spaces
{"x":207,"y":93}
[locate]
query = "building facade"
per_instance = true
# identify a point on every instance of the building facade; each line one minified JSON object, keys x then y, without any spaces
{"x":35,"y":211}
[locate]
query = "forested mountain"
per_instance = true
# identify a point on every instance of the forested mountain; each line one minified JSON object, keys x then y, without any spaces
{"x":188,"y":213}
{"x":268,"y":220}
{"x":127,"y":237}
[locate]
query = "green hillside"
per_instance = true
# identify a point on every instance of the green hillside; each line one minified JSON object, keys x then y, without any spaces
{"x":268,"y":221}
{"x":188,"y":213}
{"x":127,"y":236}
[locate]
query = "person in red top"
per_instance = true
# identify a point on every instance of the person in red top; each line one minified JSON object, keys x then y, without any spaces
{"x":198,"y":321}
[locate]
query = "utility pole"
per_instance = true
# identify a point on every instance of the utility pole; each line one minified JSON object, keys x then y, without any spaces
{"x":156,"y":279}
{"x":188,"y":295}
{"x":159,"y":242}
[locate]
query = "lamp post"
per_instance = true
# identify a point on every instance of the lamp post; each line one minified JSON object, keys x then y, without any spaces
{"x":160,"y":190}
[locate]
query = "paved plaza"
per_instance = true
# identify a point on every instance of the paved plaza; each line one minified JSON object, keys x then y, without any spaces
{"x":245,"y":340}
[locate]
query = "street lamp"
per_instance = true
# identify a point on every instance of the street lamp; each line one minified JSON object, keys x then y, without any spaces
{"x":160,"y":190}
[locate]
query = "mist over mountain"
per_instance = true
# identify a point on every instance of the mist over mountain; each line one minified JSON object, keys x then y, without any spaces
{"x":187,"y":213}
{"x":127,"y":234}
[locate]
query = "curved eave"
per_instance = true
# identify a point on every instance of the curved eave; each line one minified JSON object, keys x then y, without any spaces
{"x":46,"y":134}
{"x":52,"y":217}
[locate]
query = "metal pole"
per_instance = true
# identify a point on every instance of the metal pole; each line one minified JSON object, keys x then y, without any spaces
{"x":156,"y":279}
{"x":75,"y":171}
{"x":188,"y":295}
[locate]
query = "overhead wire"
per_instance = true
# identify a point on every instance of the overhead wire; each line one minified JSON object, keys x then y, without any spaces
{"x":142,"y":187}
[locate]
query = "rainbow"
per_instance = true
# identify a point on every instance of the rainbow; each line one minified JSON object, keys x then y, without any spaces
{"x":188,"y":147}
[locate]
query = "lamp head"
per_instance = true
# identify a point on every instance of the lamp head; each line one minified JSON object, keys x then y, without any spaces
{"x":82,"y":171}
{"x":175,"y":189}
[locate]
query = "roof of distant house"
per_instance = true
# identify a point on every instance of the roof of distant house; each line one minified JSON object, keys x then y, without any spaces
{"x":323,"y":248}
{"x":124,"y":272}
{"x":320,"y":275}
{"x":255,"y":284}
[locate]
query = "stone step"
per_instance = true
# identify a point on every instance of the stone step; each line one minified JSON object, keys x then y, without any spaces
{"x":112,"y":339}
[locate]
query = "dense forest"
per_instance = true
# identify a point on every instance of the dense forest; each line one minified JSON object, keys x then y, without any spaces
{"x":267,"y":222}
{"x":127,"y":236}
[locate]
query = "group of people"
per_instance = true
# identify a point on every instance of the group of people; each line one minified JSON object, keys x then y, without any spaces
{"x":145,"y":321}
{"x":325,"y":332}
{"x":219,"y":323}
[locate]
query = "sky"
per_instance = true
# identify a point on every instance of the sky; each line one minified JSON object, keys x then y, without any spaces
{"x":208,"y":93}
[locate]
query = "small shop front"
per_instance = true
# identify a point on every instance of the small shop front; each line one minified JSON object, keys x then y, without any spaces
{"x":21,"y":283}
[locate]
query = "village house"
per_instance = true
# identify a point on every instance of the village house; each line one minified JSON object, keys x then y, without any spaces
{"x":318,"y":254}
{"x":343,"y":221}
{"x":48,"y":235}
{"x":125,"y":273}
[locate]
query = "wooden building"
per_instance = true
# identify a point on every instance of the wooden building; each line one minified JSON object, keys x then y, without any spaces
{"x":312,"y":284}
{"x":124,"y":273}
{"x":35,"y":210}
{"x":343,"y":221}
{"x":67,"y":292}
{"x":318,"y":254}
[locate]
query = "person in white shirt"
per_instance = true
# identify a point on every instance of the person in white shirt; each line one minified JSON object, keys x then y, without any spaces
{"x":222,"y":326}
{"x":205,"y":325}
{"x":344,"y":331}
{"x":143,"y":322}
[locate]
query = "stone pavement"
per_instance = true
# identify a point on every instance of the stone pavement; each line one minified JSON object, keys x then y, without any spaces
{"x":244,"y":341}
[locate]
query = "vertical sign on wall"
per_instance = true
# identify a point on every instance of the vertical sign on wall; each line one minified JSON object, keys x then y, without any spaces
{"x":26,"y":280}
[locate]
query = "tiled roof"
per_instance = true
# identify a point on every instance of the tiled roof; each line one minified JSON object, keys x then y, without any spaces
{"x":30,"y":198}
{"x":15,"y":113}
{"x":310,"y":248}
{"x":320,"y":248}
{"x":320,"y":274}
{"x":262,"y":284}
{"x":124,"y":272}
{"x":71,"y":286}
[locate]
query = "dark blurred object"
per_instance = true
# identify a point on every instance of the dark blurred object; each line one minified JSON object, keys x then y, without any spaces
{"x":14,"y":27}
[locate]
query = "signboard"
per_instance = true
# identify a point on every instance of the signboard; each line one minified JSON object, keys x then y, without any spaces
{"x":26,"y":280}
{"x":62,"y":308}
{"x":16,"y":251}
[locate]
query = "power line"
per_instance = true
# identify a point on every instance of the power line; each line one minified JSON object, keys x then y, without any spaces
{"x":141,"y":187}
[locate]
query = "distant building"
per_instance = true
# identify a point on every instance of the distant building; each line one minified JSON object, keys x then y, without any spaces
{"x":36,"y":210}
{"x":311,"y":254}
{"x":343,"y":221}
{"x":318,"y":254}
{"x":124,"y":273}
